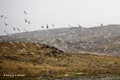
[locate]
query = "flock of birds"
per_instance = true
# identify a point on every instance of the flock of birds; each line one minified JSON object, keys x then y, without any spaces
{"x":19,"y":30}
{"x":28,"y":22}
{"x":25,"y":20}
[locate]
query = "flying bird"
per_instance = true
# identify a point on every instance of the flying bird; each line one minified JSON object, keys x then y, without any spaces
{"x":101,"y":24}
{"x":26,"y":20}
{"x":79,"y":26}
{"x":42,"y":26}
{"x":29,"y":22}
{"x":47,"y":26}
{"x":69,"y":25}
{"x":53,"y":25}
{"x":13,"y":28}
{"x":25,"y":12}
{"x":18,"y":29}
{"x":6,"y":32}
{"x":2,"y":16}
{"x":6,"y":24}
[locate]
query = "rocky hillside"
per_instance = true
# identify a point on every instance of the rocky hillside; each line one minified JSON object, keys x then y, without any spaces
{"x":100,"y":39}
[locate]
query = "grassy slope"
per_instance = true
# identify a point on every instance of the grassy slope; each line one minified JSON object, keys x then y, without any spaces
{"x":50,"y":62}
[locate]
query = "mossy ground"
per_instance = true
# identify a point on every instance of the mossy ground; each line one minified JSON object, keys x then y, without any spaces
{"x":35,"y":60}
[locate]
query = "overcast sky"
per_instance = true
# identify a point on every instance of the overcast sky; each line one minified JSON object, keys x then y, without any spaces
{"x":87,"y":13}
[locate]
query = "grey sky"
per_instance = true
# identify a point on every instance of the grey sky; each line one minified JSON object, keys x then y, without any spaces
{"x":87,"y":13}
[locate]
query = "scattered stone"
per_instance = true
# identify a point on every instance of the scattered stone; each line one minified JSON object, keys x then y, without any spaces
{"x":60,"y":51}
{"x":0,"y":55}
{"x":79,"y":56}
{"x":28,"y":52}
{"x":53,"y":51}
{"x":45,"y":47}
{"x":38,"y":48}
{"x":115,"y":63}
{"x":11,"y":57}
{"x":68,"y":55}
{"x":63,"y":64}
{"x":0,"y":61}
{"x":55,"y":55}
{"x":59,"y":60}
{"x":22,"y":54}
{"x":47,"y":54}
{"x":0,"y":67}
{"x":16,"y":58}
{"x":20,"y":67}
{"x":41,"y":58}
{"x":38,"y":53}
{"x":39,"y":62}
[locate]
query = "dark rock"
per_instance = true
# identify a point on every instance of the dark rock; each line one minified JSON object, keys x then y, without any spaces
{"x":68,"y":55}
{"x":0,"y":61}
{"x":38,"y":53}
{"x":55,"y":55}
{"x":22,"y":54}
{"x":16,"y":58}
{"x":20,"y":67}
{"x":34,"y":61}
{"x":115,"y":63}
{"x":12,"y":57}
{"x":53,"y":51}
{"x":28,"y":52}
{"x":0,"y":55}
{"x":60,"y":51}
{"x":45,"y":47}
{"x":41,"y":58}
{"x":64,"y":65}
{"x":0,"y":67}
{"x":39,"y":62}
{"x":38,"y":48}
{"x":60,"y":56}
{"x":23,"y":60}
{"x":79,"y":56}
{"x":47,"y":54}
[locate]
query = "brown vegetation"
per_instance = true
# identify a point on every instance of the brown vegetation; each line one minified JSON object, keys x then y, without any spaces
{"x":34,"y":59}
